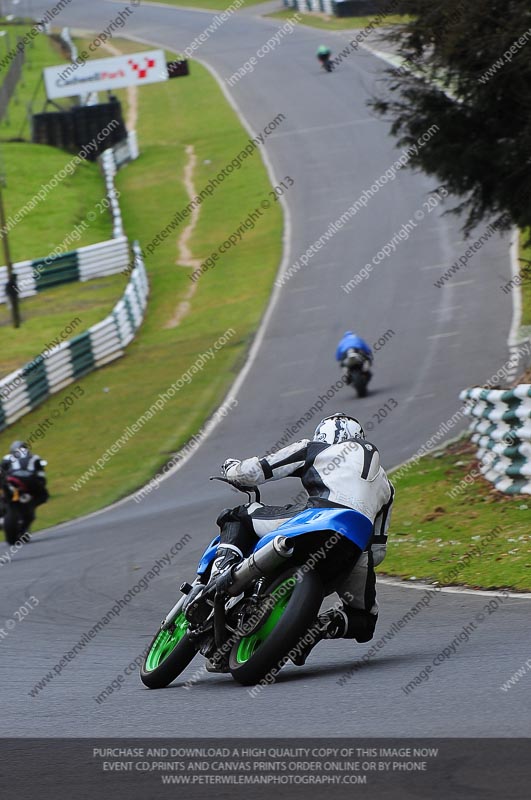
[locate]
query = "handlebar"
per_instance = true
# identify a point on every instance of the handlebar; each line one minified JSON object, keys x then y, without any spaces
{"x":239,"y":487}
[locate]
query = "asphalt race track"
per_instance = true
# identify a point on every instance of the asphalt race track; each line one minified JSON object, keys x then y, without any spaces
{"x":444,"y":340}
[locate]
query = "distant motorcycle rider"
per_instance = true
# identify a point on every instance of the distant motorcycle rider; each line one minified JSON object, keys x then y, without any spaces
{"x":338,"y":468}
{"x":323,"y":54}
{"x":21,"y":463}
{"x":352,"y":350}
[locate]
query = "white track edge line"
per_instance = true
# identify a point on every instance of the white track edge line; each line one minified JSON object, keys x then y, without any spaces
{"x":212,"y":11}
{"x":516,"y":292}
{"x":420,"y":585}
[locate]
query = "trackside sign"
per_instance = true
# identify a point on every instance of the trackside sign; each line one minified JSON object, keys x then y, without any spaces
{"x":101,"y":74}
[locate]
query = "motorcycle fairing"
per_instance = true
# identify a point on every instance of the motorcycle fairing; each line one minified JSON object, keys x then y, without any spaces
{"x":19,"y":489}
{"x":208,"y":556}
{"x":349,"y":523}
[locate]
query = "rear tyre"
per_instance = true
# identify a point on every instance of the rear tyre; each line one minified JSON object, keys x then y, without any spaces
{"x":360,"y":383}
{"x":169,"y":654}
{"x":296,"y":599}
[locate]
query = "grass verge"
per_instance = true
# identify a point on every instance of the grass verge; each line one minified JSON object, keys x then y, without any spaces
{"x":72,"y":307}
{"x":337,"y":23}
{"x":431,"y":533}
{"x":215,"y":5}
{"x":172,"y":115}
{"x":28,"y":167}
{"x":525,"y":255}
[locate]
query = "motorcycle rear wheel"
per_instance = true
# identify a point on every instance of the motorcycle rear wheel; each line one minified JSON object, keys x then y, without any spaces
{"x":297,"y":597}
{"x":360,"y":382}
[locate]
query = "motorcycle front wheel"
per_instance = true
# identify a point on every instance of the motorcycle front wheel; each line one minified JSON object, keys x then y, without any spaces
{"x":295,"y":598}
{"x":15,"y":525}
{"x":168,"y":655}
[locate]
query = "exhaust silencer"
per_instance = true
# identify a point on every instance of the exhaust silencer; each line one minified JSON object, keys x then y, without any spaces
{"x":264,"y":562}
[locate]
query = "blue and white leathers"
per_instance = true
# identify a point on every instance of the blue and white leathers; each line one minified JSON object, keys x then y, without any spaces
{"x":348,"y":490}
{"x":352,"y":340}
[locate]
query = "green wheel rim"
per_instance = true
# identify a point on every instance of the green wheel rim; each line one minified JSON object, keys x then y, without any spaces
{"x":165,"y":643}
{"x":248,"y":646}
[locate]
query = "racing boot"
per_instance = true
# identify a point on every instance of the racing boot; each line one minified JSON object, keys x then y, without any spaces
{"x":227,"y":556}
{"x":332,"y":624}
{"x":345,"y":623}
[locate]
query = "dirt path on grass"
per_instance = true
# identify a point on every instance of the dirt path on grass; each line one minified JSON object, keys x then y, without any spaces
{"x":185,"y":258}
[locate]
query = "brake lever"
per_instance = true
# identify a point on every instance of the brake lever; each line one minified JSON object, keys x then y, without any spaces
{"x":243,"y":489}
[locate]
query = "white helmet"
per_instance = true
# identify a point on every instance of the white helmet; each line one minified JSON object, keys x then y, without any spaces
{"x":338,"y":428}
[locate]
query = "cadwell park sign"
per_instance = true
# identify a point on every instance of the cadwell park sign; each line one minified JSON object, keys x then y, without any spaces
{"x":102,"y":74}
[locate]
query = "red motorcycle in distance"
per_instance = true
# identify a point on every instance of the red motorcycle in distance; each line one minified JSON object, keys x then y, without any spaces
{"x":19,"y":503}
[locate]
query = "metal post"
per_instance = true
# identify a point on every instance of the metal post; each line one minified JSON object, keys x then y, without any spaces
{"x":11,"y":289}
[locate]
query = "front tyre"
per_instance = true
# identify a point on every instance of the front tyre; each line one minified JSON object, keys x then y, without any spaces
{"x":13,"y":525}
{"x":296,"y":598}
{"x":169,"y":654}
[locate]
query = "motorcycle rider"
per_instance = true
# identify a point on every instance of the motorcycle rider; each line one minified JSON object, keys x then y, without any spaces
{"x":21,"y":463}
{"x":351,"y":349}
{"x":323,"y":54}
{"x":338,"y":468}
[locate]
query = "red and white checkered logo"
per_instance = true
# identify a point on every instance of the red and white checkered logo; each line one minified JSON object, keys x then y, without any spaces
{"x":142,"y":71}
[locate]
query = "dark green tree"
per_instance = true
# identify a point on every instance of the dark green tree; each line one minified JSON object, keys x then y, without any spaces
{"x":471,"y":77}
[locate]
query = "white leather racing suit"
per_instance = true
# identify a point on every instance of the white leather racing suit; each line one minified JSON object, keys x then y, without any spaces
{"x":347,"y":474}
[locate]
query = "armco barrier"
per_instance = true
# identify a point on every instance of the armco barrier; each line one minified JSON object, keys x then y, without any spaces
{"x":111,"y":160}
{"x":501,"y":428}
{"x":69,"y":44}
{"x":321,"y":6}
{"x":93,"y":261}
{"x":110,"y":169}
{"x":26,"y":388}
{"x":344,"y":8}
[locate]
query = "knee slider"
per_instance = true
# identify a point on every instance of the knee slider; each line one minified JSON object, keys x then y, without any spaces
{"x":227,"y":515}
{"x":238,"y":514}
